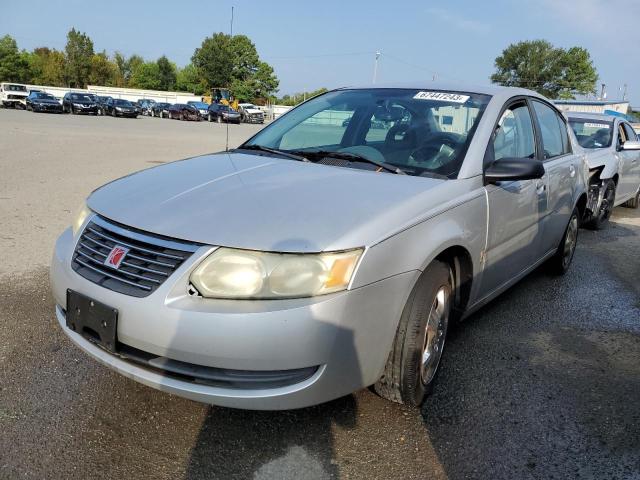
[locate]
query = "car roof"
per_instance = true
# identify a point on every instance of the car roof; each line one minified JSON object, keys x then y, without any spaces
{"x":450,"y":86}
{"x":592,"y":116}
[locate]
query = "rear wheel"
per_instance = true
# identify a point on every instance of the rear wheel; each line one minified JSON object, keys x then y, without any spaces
{"x":600,"y":219}
{"x":415,"y":355}
{"x":561,"y":261}
{"x":633,"y":202}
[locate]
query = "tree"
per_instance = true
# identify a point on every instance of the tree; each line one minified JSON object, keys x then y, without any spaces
{"x":14,"y":65}
{"x":78,"y":52}
{"x":296,"y":98}
{"x":47,"y":67}
{"x":103,"y":71}
{"x":549,"y":70}
{"x":225,"y":61}
{"x":214,"y":62}
{"x":188,"y":80}
{"x":166,"y":73}
{"x":146,"y":76}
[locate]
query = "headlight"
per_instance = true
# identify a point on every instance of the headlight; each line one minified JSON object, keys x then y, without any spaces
{"x":119,"y":109}
{"x":245,"y":274}
{"x":79,"y":105}
{"x":80,"y":217}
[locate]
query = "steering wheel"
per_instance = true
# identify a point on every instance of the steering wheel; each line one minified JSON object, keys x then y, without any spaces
{"x":428,"y":155}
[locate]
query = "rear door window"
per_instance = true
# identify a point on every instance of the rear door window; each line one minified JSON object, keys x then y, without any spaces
{"x":553,"y":131}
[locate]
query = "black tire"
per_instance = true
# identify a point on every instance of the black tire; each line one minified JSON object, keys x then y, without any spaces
{"x":633,"y":202}
{"x":561,"y":261}
{"x":72,"y":110}
{"x":406,"y":379}
{"x":209,"y":117}
{"x":601,"y":218}
{"x":113,"y":113}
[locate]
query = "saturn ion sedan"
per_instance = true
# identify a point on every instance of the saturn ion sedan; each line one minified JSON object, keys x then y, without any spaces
{"x":321,"y":257}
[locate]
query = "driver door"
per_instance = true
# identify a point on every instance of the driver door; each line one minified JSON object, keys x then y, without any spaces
{"x":514,"y":230}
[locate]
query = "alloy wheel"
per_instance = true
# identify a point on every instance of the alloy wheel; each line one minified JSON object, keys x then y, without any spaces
{"x":435,"y":334}
{"x":570,"y":241}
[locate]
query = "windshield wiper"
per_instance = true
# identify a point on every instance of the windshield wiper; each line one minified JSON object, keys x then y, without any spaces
{"x":355,"y":158}
{"x":273,"y":151}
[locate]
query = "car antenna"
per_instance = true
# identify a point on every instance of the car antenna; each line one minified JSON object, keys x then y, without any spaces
{"x":226,"y":148}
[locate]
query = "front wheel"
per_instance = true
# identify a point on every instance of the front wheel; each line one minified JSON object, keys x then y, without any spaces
{"x":633,"y":202}
{"x":561,"y":260}
{"x":601,"y":217}
{"x":413,"y":362}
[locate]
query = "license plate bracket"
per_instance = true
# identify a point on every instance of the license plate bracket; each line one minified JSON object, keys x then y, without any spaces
{"x":94,"y":320}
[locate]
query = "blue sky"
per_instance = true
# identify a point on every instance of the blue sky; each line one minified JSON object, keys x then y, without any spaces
{"x":332,"y":42}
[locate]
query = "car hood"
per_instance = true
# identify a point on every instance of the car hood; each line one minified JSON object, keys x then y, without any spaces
{"x":46,"y":100}
{"x":596,"y":157}
{"x":252,"y":110}
{"x":265,"y":203}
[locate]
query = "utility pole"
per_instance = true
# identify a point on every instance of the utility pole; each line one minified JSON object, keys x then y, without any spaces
{"x":624,"y":93}
{"x":375,"y":67}
{"x":603,"y":92}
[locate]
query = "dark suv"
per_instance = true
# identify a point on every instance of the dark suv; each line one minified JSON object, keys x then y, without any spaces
{"x":75,"y":102}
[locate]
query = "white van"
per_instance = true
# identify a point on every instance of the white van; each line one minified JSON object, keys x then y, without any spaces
{"x":13,"y":95}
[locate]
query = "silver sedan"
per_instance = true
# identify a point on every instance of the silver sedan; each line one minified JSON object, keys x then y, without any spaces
{"x":323,"y":255}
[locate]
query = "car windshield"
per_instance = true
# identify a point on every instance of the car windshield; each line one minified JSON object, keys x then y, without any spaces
{"x":592,"y":133}
{"x":44,"y":96}
{"x":199,"y":104}
{"x":421,"y":132}
{"x":81,"y":97}
{"x":122,"y":103}
{"x":16,"y":88}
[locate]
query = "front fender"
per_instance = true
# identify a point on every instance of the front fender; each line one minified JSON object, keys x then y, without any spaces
{"x":414,"y":248}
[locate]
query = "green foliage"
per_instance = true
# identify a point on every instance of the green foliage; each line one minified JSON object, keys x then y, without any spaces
{"x":103,"y":71}
{"x":147,"y":76}
{"x":225,"y":61}
{"x":213,"y":61}
{"x":78,"y":53}
{"x":47,"y":67}
{"x":14,"y":65}
{"x":221,"y":61}
{"x":551,"y":71}
{"x":296,"y":98}
{"x":166,"y":73}
{"x":188,"y":80}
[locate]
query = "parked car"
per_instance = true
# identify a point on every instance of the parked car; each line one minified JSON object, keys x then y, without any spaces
{"x":182,"y":111}
{"x":74,"y":102}
{"x":145,"y":105}
{"x":160,"y":110}
{"x":118,"y":107}
{"x":249,"y":113}
{"x":222,"y":113}
{"x":102,"y":101}
{"x":613,"y":155}
{"x":310,"y":262}
{"x":13,"y":95}
{"x":43,"y":102}
{"x":202,"y":107}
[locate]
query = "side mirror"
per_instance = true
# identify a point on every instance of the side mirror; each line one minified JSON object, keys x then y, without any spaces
{"x":511,"y":169}
{"x":631,"y":145}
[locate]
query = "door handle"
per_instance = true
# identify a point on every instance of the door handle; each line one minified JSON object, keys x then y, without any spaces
{"x":541,"y":187}
{"x":572,"y":171}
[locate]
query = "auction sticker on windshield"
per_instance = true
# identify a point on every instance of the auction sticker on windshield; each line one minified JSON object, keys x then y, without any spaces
{"x":442,"y":97}
{"x":596,"y":125}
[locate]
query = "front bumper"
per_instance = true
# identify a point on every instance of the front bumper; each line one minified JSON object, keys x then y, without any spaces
{"x":346,"y":335}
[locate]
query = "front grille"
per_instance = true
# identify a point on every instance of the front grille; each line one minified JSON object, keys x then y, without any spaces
{"x":151,"y":259}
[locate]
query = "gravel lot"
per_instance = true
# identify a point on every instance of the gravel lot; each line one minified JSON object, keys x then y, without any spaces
{"x":542,"y":383}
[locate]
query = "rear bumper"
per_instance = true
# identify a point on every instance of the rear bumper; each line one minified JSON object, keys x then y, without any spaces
{"x":345,"y":337}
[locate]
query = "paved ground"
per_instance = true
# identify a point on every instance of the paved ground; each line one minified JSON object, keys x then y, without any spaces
{"x":543,"y":383}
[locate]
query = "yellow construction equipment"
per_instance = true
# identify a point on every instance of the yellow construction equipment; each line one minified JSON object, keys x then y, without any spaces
{"x":224,"y":97}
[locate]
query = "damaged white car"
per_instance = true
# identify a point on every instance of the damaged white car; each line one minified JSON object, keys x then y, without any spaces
{"x":613,"y":154}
